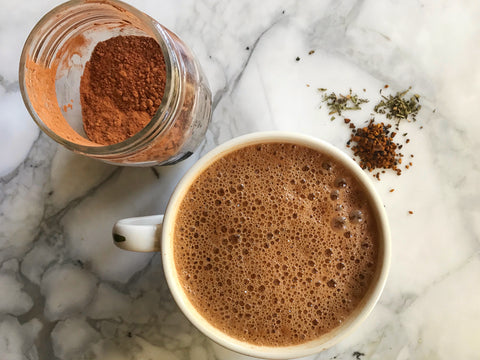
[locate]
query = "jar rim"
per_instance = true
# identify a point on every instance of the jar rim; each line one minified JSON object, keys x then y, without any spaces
{"x":160,"y":121}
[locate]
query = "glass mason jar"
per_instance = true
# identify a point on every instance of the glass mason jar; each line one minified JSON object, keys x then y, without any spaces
{"x":52,"y":63}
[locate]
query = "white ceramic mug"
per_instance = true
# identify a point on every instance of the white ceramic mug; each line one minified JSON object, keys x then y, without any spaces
{"x":155,"y":233}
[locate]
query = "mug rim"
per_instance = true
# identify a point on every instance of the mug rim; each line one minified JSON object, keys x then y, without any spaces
{"x":323,"y":342}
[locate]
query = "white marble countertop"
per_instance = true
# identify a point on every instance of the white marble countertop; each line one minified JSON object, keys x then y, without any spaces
{"x":67,"y":293}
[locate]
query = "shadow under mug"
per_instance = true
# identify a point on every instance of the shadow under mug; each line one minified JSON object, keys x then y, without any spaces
{"x":156,"y":233}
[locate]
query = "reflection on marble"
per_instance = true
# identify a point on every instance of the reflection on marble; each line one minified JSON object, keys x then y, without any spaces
{"x":68,"y":293}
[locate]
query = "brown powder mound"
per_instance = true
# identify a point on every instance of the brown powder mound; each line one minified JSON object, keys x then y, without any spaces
{"x":121,"y":88}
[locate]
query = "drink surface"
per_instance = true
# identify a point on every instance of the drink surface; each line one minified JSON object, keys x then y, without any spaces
{"x":275,"y":244}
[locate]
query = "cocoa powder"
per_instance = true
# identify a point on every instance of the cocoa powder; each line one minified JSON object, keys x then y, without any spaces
{"x":121,"y":88}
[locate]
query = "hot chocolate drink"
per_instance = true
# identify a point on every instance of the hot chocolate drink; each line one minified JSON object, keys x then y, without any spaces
{"x":275,"y":244}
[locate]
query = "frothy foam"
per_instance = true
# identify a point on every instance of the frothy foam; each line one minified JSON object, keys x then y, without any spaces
{"x":275,"y":244}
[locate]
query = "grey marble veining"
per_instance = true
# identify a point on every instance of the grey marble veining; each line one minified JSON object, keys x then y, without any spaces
{"x":67,"y":293}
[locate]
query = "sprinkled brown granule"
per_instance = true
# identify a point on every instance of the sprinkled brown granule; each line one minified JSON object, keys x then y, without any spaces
{"x":375,"y":148}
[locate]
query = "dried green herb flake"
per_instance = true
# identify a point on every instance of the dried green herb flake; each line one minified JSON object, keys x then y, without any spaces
{"x":337,"y":104}
{"x":399,"y":106}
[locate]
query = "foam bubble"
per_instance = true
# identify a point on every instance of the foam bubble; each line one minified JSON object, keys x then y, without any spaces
{"x":356,"y":216}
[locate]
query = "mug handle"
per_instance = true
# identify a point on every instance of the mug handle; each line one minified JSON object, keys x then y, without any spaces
{"x":142,"y":234}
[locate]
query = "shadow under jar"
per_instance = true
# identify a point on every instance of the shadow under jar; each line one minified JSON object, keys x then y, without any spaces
{"x":52,"y":64}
